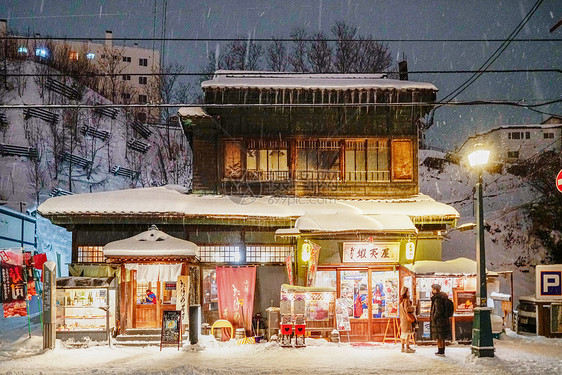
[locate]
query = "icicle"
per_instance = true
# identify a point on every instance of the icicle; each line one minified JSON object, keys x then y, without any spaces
{"x":330,"y":97}
{"x":322,"y":96}
{"x":222,"y":92}
{"x":313,"y":96}
{"x":283,"y":101}
{"x":259,"y":100}
{"x":245,"y":96}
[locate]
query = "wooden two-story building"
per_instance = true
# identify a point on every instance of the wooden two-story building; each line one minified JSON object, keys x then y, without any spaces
{"x":283,"y":160}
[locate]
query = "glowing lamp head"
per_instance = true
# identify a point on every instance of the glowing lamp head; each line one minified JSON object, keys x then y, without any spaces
{"x":479,"y":157}
{"x":305,"y":252}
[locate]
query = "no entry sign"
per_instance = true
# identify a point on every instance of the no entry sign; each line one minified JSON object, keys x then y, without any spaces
{"x":559,"y":181}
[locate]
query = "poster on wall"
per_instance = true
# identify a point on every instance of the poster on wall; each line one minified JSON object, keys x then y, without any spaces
{"x":342,"y":315}
{"x":317,"y":311}
{"x":13,"y":283}
{"x":385,"y":286}
{"x":371,"y":252}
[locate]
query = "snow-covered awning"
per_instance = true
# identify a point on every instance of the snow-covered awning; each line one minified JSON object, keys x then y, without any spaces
{"x":174,"y":201}
{"x":306,"y":81}
{"x":193,"y":112}
{"x":287,"y":288}
{"x":459,"y":266}
{"x":351,"y":222}
{"x":152,"y":243}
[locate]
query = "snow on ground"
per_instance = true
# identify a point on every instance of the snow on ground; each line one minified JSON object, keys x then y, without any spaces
{"x":515,"y":354}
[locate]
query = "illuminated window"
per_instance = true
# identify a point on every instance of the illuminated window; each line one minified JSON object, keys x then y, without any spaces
{"x":90,"y":254}
{"x":232,"y":159}
{"x":90,"y":55}
{"x":73,"y":55}
{"x":402,"y":160}
{"x":22,"y":50}
{"x":267,"y":160}
{"x":219,"y":254}
{"x":267,"y":254}
{"x":41,"y":52}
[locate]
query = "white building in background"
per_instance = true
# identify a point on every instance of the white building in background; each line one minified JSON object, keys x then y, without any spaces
{"x":512,"y":144}
{"x":134,"y":65}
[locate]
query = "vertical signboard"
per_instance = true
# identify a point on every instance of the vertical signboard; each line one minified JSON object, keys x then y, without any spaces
{"x":313,"y":265}
{"x":182,"y":298}
{"x":289,"y":266}
{"x":49,"y":304}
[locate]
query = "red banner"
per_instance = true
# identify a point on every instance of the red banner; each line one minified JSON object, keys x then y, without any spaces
{"x":13,"y":284}
{"x":236,"y":287}
{"x":313,"y":265}
{"x":289,"y":265}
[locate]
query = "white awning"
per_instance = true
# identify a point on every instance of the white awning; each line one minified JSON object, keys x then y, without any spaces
{"x":152,"y":243}
{"x":459,"y":266}
{"x":192,"y":112}
{"x":352,"y":222}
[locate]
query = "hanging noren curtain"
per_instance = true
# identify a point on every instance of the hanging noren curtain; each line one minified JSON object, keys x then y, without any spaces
{"x":236,"y":287}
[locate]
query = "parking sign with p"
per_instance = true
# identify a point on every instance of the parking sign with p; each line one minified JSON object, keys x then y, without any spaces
{"x":549,"y":282}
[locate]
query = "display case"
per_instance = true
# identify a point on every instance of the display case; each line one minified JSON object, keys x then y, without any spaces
{"x":85,"y":308}
{"x":464,"y":301}
{"x":316,"y":304}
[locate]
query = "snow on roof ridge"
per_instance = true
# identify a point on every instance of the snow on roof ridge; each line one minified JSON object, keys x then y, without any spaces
{"x":326,"y":81}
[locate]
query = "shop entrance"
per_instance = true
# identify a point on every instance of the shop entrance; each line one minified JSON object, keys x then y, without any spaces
{"x":145,"y":309}
{"x":370,"y":295}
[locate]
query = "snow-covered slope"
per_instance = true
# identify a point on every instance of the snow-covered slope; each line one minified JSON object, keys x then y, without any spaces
{"x":508,"y":245}
{"x":29,"y":181}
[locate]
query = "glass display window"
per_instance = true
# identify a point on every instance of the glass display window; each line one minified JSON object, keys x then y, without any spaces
{"x":354,"y":292}
{"x":385,"y":288}
{"x":82,"y":309}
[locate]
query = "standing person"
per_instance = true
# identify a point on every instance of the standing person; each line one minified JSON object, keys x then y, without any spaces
{"x":406,"y":330}
{"x":440,"y":329}
{"x":151,"y":297}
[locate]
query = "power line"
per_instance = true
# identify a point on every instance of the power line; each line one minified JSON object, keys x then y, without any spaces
{"x":494,"y":55}
{"x":281,"y":75}
{"x":176,"y":39}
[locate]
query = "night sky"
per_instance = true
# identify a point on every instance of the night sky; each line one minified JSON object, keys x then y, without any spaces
{"x":383,"y":19}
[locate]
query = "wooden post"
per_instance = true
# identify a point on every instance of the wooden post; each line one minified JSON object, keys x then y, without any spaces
{"x":123,"y":301}
{"x":49,"y":304}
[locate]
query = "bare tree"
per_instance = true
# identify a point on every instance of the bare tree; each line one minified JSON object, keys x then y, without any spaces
{"x":242,"y":55}
{"x":320,"y":54}
{"x":277,"y":58}
{"x":110,"y":62}
{"x":298,"y":56}
{"x":345,"y":60}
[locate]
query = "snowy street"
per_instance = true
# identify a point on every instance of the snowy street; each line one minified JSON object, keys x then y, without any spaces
{"x":515,"y":354}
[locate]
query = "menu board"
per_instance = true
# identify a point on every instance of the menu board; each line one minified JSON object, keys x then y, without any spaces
{"x":171,"y":328}
{"x":342,"y":315}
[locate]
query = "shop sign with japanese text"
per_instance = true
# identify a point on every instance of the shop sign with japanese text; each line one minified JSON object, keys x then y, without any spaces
{"x":370,"y":252}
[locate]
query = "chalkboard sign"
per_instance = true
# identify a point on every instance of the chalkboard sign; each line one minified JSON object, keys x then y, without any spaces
{"x":171,"y":328}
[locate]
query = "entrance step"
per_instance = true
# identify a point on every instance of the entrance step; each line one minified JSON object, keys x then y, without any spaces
{"x":143,"y":331}
{"x":142,"y":337}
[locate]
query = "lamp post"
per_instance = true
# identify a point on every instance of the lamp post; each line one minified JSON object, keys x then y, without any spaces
{"x":482,"y":341}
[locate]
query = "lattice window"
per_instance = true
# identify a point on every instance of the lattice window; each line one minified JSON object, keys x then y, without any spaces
{"x":267,"y":160}
{"x":318,"y":159}
{"x":267,"y":254}
{"x":90,"y":254}
{"x":142,"y":287}
{"x":219,"y":254}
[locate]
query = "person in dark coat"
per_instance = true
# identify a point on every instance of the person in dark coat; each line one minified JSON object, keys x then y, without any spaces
{"x":440,"y":327}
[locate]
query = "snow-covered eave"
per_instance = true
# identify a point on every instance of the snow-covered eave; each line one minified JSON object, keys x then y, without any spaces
{"x":264,"y":80}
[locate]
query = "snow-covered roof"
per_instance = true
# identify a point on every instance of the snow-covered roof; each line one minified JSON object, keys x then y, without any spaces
{"x":192,"y":112}
{"x":84,"y":282}
{"x":345,"y":222}
{"x":151,"y":243}
{"x":273,"y":80}
{"x":459,"y":266}
{"x":173,"y":200}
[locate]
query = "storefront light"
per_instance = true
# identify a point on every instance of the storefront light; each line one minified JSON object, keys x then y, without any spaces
{"x":410,"y":250}
{"x":305,"y":252}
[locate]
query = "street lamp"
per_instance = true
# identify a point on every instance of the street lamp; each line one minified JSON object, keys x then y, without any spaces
{"x":482,"y":341}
